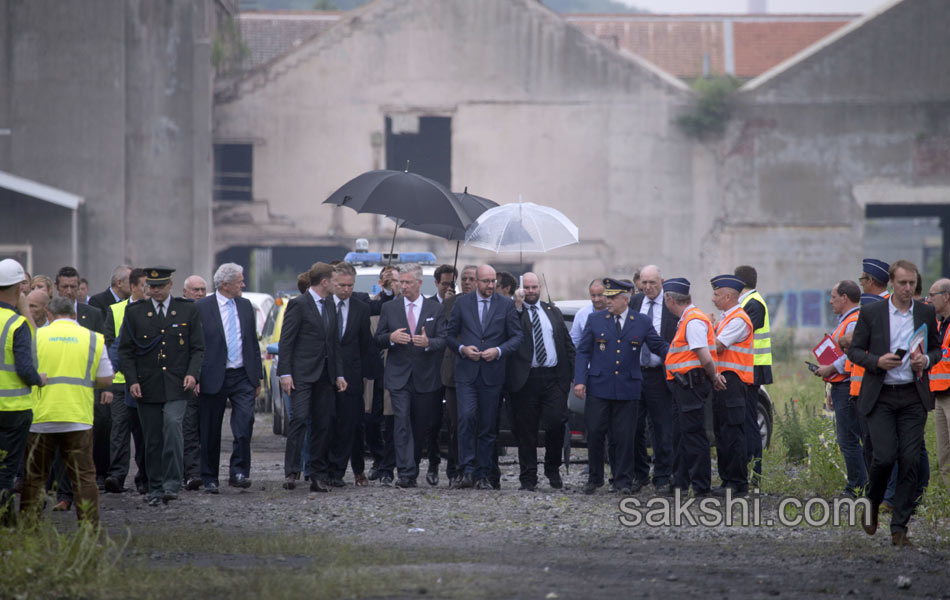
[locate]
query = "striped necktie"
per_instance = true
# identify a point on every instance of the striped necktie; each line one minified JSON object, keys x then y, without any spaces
{"x":231,"y":331}
{"x":539,"y":352}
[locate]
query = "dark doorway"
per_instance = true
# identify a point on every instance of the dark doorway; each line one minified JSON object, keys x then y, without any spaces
{"x":233,"y":172}
{"x":904,"y":211}
{"x":426,"y":142}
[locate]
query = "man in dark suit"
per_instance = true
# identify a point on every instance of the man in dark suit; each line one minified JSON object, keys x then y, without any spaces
{"x":484,"y":329}
{"x":414,"y":332}
{"x":119,"y":289}
{"x":607,"y":374}
{"x":656,"y":401}
{"x":160,"y":350}
{"x":356,"y":343}
{"x":230,"y":371}
{"x":310,"y":366}
{"x":538,"y":381}
{"x":895,"y":392}
{"x":445,"y":276}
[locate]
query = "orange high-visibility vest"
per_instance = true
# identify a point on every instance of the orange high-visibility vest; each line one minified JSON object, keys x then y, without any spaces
{"x":738,"y":357}
{"x":851,"y":317}
{"x":679,"y":358}
{"x":940,"y":372}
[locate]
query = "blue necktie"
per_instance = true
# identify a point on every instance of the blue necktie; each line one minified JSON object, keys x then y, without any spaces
{"x":484,"y":313}
{"x":231,"y":331}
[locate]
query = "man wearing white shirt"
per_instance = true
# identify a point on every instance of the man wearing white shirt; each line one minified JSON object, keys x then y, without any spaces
{"x":597,"y":302}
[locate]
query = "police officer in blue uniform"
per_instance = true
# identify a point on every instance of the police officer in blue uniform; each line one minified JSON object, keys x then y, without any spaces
{"x":607,"y":373}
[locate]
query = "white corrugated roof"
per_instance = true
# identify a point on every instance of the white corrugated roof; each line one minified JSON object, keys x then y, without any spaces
{"x":38,"y":190}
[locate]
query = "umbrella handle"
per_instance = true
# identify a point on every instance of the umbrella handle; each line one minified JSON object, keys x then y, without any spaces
{"x":393,"y":245}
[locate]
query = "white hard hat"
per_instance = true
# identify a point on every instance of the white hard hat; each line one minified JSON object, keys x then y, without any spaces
{"x":11,"y":272}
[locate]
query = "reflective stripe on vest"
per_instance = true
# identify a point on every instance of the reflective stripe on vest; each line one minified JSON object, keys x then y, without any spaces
{"x":940,"y":372}
{"x":14,"y":393}
{"x":118,"y":317}
{"x":761,"y":338}
{"x":839,"y":331}
{"x":68,"y":354}
{"x":738,"y":357}
{"x":679,"y":358}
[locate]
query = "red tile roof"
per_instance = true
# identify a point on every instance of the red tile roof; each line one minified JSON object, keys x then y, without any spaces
{"x":761,"y":46}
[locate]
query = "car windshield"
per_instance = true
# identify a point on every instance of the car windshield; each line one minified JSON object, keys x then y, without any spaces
{"x":370,"y":284}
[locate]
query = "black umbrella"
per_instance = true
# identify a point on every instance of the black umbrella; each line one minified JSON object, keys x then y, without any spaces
{"x":406,"y":197}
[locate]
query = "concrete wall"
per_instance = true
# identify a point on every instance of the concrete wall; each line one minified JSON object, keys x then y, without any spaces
{"x":110,"y":100}
{"x":538,"y":108}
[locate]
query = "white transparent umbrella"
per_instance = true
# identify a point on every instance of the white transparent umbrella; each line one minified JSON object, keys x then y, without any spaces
{"x":521,"y":227}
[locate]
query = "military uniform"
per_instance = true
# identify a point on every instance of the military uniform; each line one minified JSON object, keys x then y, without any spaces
{"x":158,"y":353}
{"x":608,"y":364}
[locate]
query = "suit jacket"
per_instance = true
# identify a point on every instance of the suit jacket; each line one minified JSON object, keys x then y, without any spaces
{"x":519,"y":363}
{"x":306,"y":345}
{"x":159,"y":353}
{"x":102,"y":300}
{"x":502,"y":329}
{"x":872,"y":338}
{"x":356,"y":345}
{"x":90,"y":317}
{"x":216,"y":346}
{"x":406,"y":360}
{"x":448,"y":360}
{"x":668,"y":321}
{"x":608,"y":364}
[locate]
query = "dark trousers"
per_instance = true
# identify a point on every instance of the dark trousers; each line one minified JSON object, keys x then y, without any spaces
{"x":240,"y":391}
{"x":412,"y":412}
{"x":125,"y":425}
{"x":729,"y":407}
{"x":432,"y":440}
{"x":752,"y":436}
{"x":618,"y":419}
{"x":897,"y":425}
{"x":76,"y":449}
{"x":161,"y":428}
{"x":358,"y":447}
{"x":101,"y":436}
{"x":656,"y":404}
{"x":477,"y":426}
{"x":540,"y":403}
{"x":923,"y":478}
{"x":848,"y":434}
{"x":14,"y":429}
{"x":373,"y":424}
{"x":191,"y":438}
{"x":348,"y":408}
{"x":314,"y":402}
{"x":689,"y":437}
{"x":452,"y":415}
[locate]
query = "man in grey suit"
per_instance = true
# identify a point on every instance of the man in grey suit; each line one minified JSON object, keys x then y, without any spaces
{"x":414,"y":333}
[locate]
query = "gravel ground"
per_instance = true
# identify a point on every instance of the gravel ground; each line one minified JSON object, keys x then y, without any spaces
{"x":558,"y":542}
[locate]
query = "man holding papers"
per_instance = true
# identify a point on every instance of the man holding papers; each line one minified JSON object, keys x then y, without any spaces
{"x":895,"y":393}
{"x":845,"y":302}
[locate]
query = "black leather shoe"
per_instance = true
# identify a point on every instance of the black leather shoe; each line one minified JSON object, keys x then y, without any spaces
{"x":211,"y":488}
{"x":374,"y":474}
{"x":556,"y":482}
{"x":101,"y":483}
{"x":319,"y":485}
{"x":335,"y":482}
{"x":193,"y":484}
{"x":385,"y":481}
{"x":290,"y":481}
{"x":141,"y":488}
{"x":432,"y":478}
{"x":611,"y":488}
{"x":169,"y":496}
{"x":870,"y":525}
{"x":590,"y":488}
{"x":240,"y":481}
{"x":466,"y":482}
{"x":112,"y":486}
{"x":154,"y":501}
{"x":483,"y":484}
{"x":404,"y":482}
{"x":702,"y":494}
{"x":668,"y":491}
{"x":528,"y":487}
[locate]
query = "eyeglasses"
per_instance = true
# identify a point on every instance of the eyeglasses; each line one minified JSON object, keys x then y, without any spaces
{"x":929,"y":296}
{"x":486,"y":281}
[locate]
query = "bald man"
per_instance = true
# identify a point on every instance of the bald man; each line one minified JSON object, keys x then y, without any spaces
{"x":38,"y":300}
{"x":195,"y":288}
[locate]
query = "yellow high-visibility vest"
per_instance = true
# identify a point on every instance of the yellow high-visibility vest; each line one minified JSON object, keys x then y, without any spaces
{"x":761,"y":338}
{"x":15,"y":394}
{"x":118,"y":316}
{"x":69,"y":354}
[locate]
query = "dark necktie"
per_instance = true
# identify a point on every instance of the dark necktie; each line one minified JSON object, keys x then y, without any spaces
{"x":339,"y":317}
{"x":325,"y":313}
{"x":539,"y":352}
{"x":484,"y":311}
{"x":619,"y":330}
{"x":161,"y":310}
{"x":645,"y":354}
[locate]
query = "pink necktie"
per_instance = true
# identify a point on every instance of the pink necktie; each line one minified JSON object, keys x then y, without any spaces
{"x":411,"y":317}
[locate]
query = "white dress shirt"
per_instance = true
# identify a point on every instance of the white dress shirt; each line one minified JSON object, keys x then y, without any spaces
{"x":902,"y":327}
{"x":225,"y":310}
{"x":164,"y":306}
{"x":547,"y":335}
{"x":580,"y":321}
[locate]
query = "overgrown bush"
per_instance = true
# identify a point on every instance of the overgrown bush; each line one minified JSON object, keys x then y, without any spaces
{"x":712,"y":108}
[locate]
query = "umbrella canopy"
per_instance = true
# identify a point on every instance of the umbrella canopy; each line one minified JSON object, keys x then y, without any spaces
{"x":522,"y":227}
{"x":404,"y":196}
{"x":472,"y":205}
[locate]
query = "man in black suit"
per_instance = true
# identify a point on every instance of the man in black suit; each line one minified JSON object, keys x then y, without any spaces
{"x":160,"y":352}
{"x":484,"y":329}
{"x":230,"y":371}
{"x":656,"y":400}
{"x":356,"y":342}
{"x":414,"y":332}
{"x":445,"y":276}
{"x":310,"y":366}
{"x":538,"y":381}
{"x":119,"y":289}
{"x":895,"y":393}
